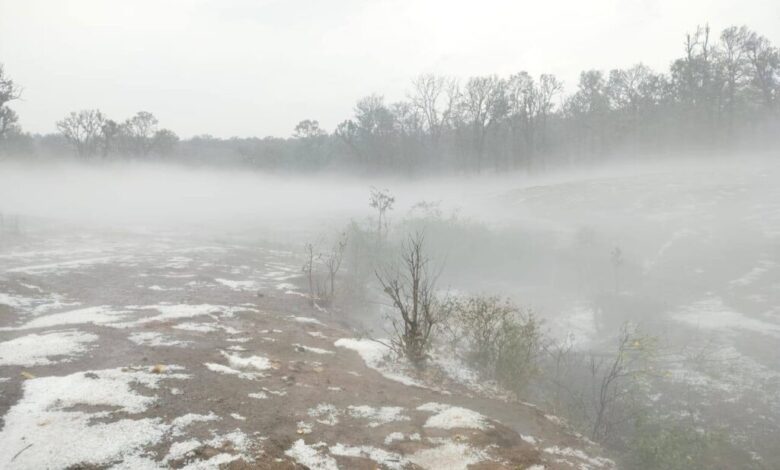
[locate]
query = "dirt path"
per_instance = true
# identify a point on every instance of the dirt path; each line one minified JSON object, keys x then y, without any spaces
{"x":138,"y":352}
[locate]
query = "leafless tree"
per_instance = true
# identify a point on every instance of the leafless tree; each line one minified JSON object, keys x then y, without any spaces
{"x":83,"y":130}
{"x":308,"y":270}
{"x":431,"y":97}
{"x":613,"y":375}
{"x":334,"y":260}
{"x":480,"y":102}
{"x":411,"y":288}
{"x":381,"y":200}
{"x":139,"y":132}
{"x":733,"y":58}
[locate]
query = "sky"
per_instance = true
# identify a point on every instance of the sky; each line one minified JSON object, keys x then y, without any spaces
{"x":257,"y":68}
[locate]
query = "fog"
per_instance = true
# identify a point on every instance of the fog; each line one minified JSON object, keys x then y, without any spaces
{"x":697,"y":268}
{"x":449,"y":236}
{"x":685,"y":229}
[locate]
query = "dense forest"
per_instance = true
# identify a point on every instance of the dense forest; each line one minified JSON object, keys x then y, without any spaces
{"x":722,"y":95}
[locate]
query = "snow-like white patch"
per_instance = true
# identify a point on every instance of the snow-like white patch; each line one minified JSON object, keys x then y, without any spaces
{"x":223,"y":369}
{"x":448,"y":455}
{"x":451,"y":417}
{"x":168,"y":312}
{"x":16,"y":301}
{"x":374,"y":354}
{"x":461,"y":373}
{"x":180,"y":423}
{"x":303,"y":428}
{"x":557,"y":420}
{"x":198,"y":327}
{"x":393,"y":437}
{"x":307,"y":320}
{"x":317,"y":334}
{"x":159,"y":288}
{"x":726,"y":370}
{"x":754,"y":274}
{"x":236,"y":438}
{"x":180,"y":450}
{"x":101,"y":315}
{"x":382,"y":457}
{"x":42,"y":431}
{"x":62,"y":266}
{"x":399,"y":436}
{"x":35,"y":349}
{"x":529,"y":439}
{"x":251,"y":362}
{"x":258,"y":395}
{"x":304,"y":348}
{"x":713,"y":314}
{"x":279,"y":393}
{"x":310,"y":456}
{"x":239,"y":340}
{"x":35,"y":305}
{"x":214,"y":463}
{"x":378,"y":416}
{"x":238,"y":285}
{"x":325,"y":414}
{"x":237,"y":416}
{"x":155,"y":339}
{"x":589,"y":462}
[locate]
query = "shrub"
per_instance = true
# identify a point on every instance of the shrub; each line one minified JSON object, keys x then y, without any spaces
{"x":411,"y":288}
{"x":497,"y":338}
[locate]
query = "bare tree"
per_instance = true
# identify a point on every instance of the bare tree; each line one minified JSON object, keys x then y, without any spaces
{"x":139,"y":131}
{"x":411,"y":288}
{"x":334,"y":260}
{"x":431,"y":98}
{"x":613,"y":375}
{"x":381,"y":200}
{"x":733,"y":60}
{"x":83,"y":130}
{"x":308,"y":270}
{"x":480,"y":102}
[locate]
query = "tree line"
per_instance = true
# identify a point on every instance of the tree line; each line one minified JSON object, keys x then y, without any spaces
{"x":721,"y":95}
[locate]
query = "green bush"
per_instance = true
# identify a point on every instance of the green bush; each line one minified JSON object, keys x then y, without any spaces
{"x":497,"y":338}
{"x":666,"y":444}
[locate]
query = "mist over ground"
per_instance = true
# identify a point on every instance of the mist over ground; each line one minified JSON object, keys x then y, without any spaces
{"x":513,"y":257}
{"x":697,"y":246}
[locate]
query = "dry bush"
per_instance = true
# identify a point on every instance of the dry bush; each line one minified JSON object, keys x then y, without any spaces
{"x":410,"y":286}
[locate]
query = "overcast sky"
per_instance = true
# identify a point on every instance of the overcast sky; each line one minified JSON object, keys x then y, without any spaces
{"x":241,"y":67}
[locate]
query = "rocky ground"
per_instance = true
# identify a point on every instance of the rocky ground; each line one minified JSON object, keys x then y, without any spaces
{"x":136,"y":351}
